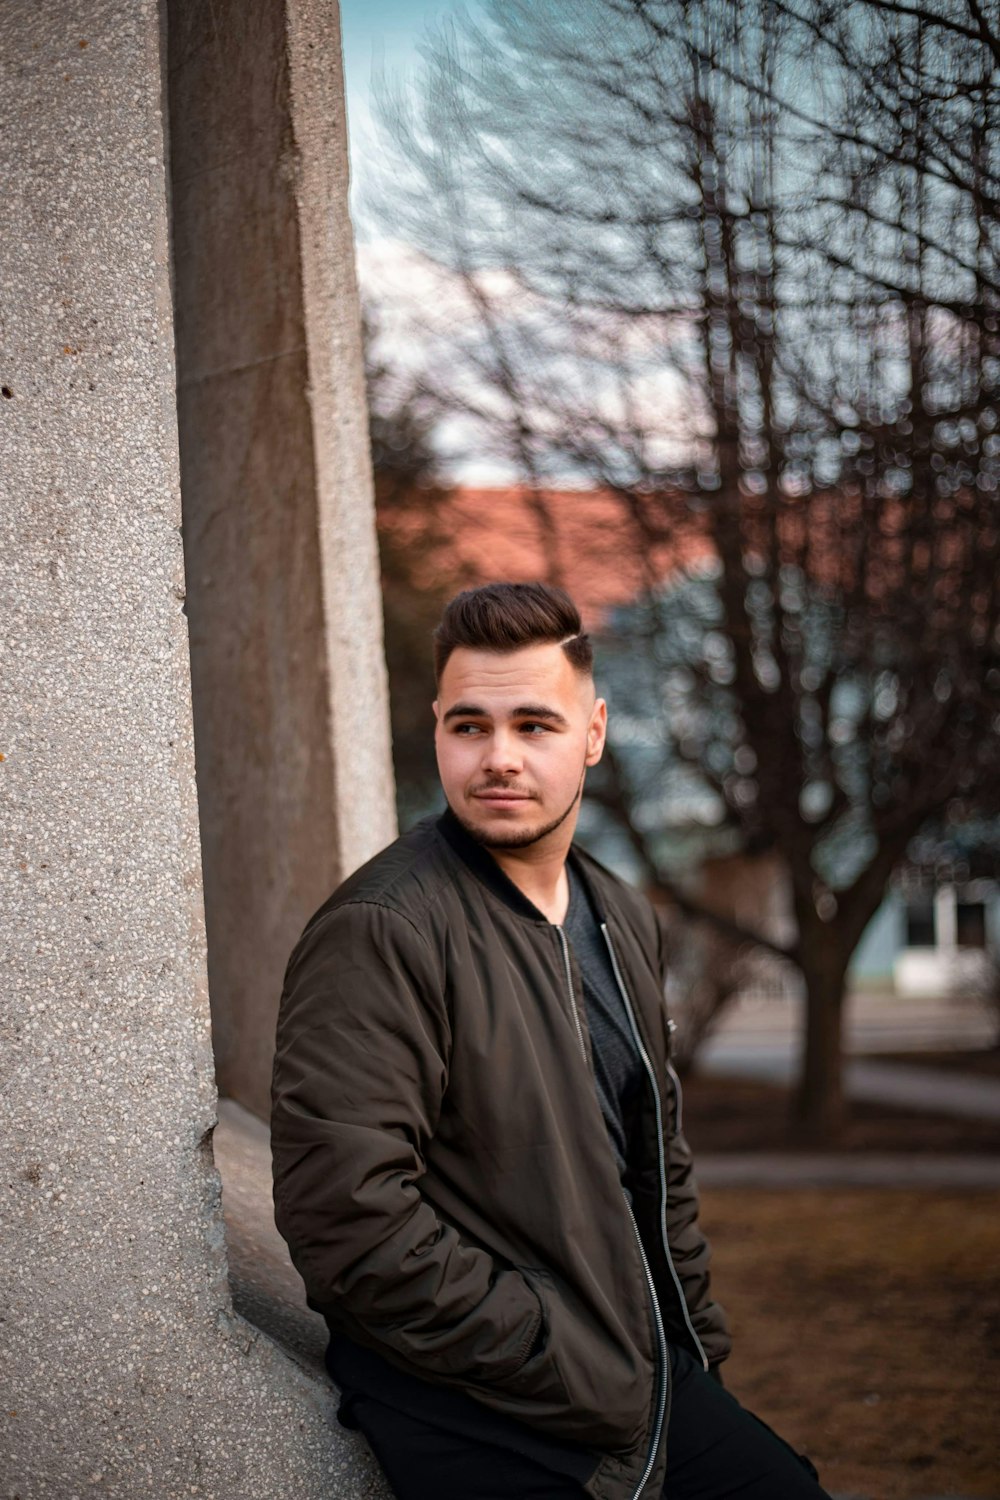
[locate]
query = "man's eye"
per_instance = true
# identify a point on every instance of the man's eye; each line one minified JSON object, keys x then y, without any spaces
{"x":543,"y":728}
{"x":466,"y":729}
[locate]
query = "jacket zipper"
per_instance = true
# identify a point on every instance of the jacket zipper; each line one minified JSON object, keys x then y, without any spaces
{"x":661,"y":1338}
{"x":661,"y":1360}
{"x":569,"y":985}
{"x":659,"y":1141}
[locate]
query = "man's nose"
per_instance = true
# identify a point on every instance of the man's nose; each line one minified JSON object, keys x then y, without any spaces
{"x":502,"y":754}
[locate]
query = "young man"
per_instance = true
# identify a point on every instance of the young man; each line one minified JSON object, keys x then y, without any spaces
{"x":479,"y":1162}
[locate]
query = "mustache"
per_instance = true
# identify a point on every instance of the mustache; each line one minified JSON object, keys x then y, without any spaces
{"x":501,"y":786}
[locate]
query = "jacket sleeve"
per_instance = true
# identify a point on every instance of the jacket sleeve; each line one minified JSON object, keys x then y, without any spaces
{"x":689,"y":1249}
{"x":360,"y":1069}
{"x":691,"y":1253}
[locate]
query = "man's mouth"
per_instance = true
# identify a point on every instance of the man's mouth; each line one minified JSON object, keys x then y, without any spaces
{"x":499,"y":796}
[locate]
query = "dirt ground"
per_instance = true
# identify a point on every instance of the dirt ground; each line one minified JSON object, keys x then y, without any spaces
{"x":985,"y":1064}
{"x":867,"y":1331}
{"x":743,"y":1115}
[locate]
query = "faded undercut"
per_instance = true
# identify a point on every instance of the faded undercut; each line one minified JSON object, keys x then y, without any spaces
{"x":508,"y":616}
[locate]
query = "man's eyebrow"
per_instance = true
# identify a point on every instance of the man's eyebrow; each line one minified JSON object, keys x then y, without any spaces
{"x":539,"y":711}
{"x":465,"y":711}
{"x":523,"y":711}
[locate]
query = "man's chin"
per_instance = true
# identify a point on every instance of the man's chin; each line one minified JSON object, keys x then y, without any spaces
{"x":500,"y":831}
{"x":503,"y":832}
{"x":505,"y":838}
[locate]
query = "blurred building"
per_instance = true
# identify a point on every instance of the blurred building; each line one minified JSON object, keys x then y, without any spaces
{"x":475,"y":533}
{"x":933,"y":935}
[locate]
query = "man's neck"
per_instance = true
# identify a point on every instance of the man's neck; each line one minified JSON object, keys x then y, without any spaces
{"x":539,"y":874}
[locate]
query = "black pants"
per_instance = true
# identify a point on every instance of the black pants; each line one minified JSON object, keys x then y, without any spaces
{"x":715,"y":1450}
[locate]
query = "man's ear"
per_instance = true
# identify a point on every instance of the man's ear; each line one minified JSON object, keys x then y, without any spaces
{"x":437,"y":711}
{"x":597,"y":731}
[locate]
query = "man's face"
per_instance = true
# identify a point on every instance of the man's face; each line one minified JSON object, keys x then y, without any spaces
{"x":515,"y":733}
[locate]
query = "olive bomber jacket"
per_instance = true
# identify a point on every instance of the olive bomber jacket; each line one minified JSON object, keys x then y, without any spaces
{"x":443,"y":1174}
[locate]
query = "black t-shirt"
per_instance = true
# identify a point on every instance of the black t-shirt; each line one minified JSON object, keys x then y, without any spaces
{"x":617,"y":1065}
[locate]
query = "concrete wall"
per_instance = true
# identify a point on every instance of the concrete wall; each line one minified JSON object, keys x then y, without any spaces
{"x":124,"y":1371}
{"x":294,"y":767}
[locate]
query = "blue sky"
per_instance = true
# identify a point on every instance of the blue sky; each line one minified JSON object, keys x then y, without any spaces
{"x":383,"y":33}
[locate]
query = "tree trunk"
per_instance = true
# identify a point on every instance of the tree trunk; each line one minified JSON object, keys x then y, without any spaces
{"x":820,"y":1106}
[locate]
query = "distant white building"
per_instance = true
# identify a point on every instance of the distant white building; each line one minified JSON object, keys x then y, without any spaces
{"x":932,"y":937}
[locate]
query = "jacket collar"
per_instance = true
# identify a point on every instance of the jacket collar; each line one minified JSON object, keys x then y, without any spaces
{"x":481,"y":862}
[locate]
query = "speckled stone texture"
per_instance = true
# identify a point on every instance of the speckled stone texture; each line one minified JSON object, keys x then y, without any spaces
{"x":284,"y":607}
{"x":124,"y":1370}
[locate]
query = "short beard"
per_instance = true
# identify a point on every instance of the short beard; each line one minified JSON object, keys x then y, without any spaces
{"x":521,"y":838}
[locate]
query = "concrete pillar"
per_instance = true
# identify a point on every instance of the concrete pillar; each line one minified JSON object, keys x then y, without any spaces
{"x":124,"y":1371}
{"x":294,"y":766}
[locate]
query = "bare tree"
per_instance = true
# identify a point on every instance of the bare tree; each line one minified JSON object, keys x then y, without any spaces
{"x":408,"y":495}
{"x":737,"y":264}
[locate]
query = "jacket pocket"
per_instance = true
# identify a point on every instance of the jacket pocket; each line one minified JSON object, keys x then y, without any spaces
{"x":541,"y":1358}
{"x":577,"y":1379}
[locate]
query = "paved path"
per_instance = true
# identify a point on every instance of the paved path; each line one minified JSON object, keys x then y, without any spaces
{"x":773,"y":1169}
{"x":872,"y":1023}
{"x":763,"y":1040}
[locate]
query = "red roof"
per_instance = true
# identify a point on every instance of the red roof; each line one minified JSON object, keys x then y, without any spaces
{"x":589,"y":541}
{"x":607,"y":548}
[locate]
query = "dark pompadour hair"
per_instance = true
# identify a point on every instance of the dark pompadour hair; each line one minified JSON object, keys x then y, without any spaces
{"x":507,"y":616}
